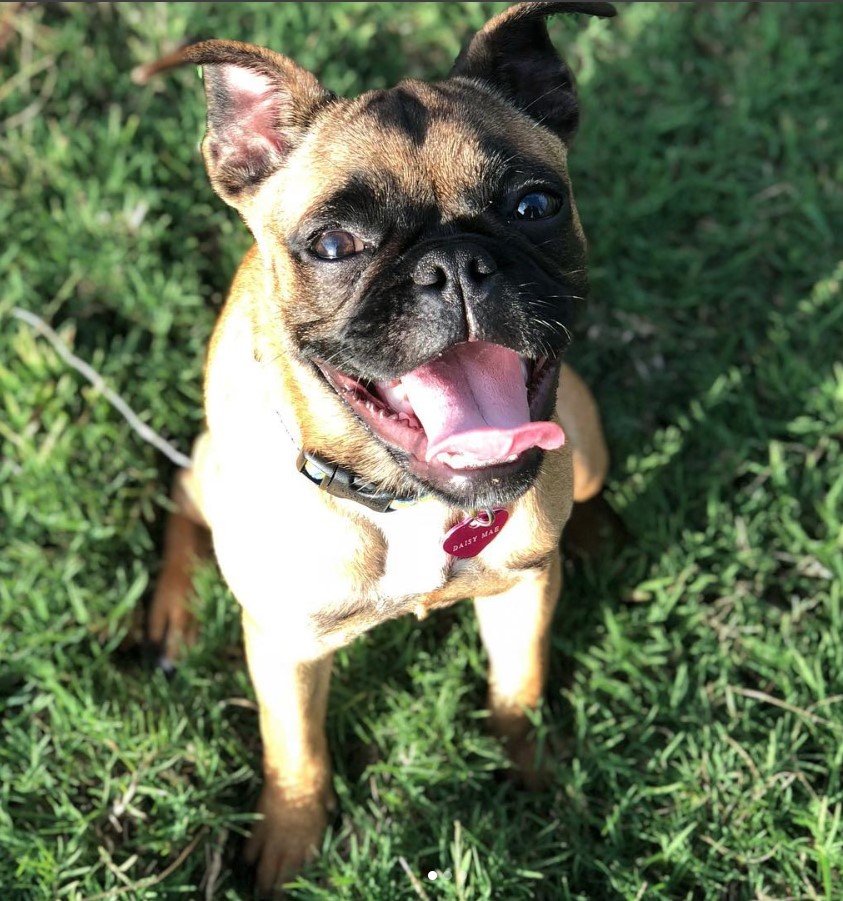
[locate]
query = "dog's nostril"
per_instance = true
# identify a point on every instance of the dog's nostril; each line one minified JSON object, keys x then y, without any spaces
{"x":461,"y":267}
{"x":482,"y":266}
{"x":429,"y":275}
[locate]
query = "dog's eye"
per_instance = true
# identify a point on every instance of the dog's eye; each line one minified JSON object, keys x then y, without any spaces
{"x":537,"y":205}
{"x":336,"y":244}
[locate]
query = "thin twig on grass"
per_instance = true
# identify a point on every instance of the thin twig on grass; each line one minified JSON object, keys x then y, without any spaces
{"x":154,"y":880}
{"x":142,"y":429}
{"x":414,"y":880}
{"x":212,"y":874}
{"x":791,"y":708}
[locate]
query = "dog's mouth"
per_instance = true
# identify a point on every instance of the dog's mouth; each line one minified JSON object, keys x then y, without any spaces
{"x":478,"y":407}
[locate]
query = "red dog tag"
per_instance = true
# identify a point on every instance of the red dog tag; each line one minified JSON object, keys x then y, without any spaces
{"x":470,"y":536}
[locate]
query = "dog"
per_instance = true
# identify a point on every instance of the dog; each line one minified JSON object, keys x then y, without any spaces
{"x":390,"y":426}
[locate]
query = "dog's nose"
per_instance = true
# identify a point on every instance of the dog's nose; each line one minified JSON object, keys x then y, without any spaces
{"x":465,"y":267}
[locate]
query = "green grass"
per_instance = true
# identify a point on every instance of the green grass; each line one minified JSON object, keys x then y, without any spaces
{"x":695,"y":708}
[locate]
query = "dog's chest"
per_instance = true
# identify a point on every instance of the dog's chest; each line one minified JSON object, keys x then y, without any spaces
{"x":415,"y":562}
{"x":400,"y":567}
{"x":417,"y":573}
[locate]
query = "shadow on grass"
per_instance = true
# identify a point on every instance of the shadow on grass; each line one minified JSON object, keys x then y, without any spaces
{"x":710,"y":336}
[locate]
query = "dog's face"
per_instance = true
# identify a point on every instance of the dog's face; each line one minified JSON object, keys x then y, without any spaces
{"x":424,"y":245}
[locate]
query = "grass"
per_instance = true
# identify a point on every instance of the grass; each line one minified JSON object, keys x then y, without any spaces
{"x":695,"y":708}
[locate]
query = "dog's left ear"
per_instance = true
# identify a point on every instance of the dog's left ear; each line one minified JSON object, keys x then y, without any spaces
{"x":260,"y":104}
{"x":514,"y":54}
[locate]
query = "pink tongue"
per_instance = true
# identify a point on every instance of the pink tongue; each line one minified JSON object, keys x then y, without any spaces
{"x":472,"y":403}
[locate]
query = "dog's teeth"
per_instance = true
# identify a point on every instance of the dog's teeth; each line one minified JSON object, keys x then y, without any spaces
{"x":461,"y":461}
{"x":524,"y":370}
{"x":395,"y":394}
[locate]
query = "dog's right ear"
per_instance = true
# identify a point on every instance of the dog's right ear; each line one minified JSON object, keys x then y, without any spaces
{"x":514,"y":54}
{"x":259,"y":106}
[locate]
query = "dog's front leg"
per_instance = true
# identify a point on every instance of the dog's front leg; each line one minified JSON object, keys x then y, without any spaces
{"x":515,"y":628}
{"x":297,"y":798}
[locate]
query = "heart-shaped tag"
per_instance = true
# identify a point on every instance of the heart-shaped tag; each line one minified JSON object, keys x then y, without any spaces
{"x":469,"y":537}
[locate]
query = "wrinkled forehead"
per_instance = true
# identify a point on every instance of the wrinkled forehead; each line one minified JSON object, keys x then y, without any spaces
{"x":446,"y":145}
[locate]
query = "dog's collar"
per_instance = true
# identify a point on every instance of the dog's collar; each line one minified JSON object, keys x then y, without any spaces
{"x":463,"y":540}
{"x":339,"y":482}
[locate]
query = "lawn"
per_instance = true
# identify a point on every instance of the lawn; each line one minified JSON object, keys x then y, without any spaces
{"x":694,"y":714}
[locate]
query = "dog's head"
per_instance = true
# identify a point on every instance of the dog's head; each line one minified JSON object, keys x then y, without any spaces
{"x":424,"y":250}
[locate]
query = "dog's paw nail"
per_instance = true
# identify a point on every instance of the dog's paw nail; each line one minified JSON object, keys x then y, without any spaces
{"x":167,"y":667}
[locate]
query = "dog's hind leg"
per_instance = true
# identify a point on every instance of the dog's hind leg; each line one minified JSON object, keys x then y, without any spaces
{"x":170,"y":622}
{"x":580,"y":419}
{"x":593,"y":526}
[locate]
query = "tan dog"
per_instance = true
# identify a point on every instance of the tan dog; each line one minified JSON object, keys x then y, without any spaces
{"x":395,"y":337}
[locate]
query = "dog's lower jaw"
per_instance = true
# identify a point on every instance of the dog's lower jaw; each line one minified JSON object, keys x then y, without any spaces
{"x":494,"y":486}
{"x":499,"y":481}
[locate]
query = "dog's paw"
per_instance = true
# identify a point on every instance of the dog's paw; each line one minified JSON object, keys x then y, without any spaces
{"x":169,"y":636}
{"x":287,"y":837}
{"x":533,"y":764}
{"x":534,"y":759}
{"x":171,"y":627}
